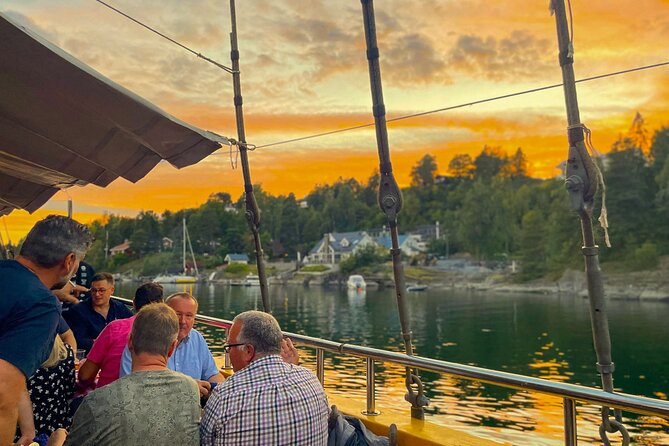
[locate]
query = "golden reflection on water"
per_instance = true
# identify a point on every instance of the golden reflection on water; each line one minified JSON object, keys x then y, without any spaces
{"x":518,"y":417}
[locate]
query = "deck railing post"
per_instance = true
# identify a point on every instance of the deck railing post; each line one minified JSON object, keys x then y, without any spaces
{"x":320,"y":365}
{"x":371,"y":391}
{"x":226,"y":362}
{"x":569,"y":408}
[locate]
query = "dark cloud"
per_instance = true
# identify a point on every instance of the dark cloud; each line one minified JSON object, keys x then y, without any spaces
{"x":517,"y":57}
{"x":414,"y":59}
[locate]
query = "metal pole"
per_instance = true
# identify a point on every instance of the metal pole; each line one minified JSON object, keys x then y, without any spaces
{"x":569,"y":409}
{"x":390,"y":201}
{"x":252,"y":211}
{"x":371,"y":391}
{"x":320,"y":365}
{"x":581,"y":184}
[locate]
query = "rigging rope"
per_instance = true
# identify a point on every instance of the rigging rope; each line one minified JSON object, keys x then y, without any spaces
{"x":603,"y":214}
{"x":466,"y":104}
{"x":200,"y":55}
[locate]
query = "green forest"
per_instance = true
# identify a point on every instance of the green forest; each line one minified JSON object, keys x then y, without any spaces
{"x":488,"y":206}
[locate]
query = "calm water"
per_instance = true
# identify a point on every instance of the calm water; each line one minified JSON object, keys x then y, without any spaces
{"x":544,"y":336}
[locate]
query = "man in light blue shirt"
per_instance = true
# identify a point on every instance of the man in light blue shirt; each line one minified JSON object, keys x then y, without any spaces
{"x":192,"y":356}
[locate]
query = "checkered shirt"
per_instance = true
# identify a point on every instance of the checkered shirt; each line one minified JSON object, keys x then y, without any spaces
{"x":268,"y":402}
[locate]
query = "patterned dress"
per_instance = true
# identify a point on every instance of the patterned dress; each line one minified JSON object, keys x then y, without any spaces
{"x":50,"y":392}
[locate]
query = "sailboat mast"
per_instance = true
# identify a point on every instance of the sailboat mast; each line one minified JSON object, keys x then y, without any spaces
{"x":183,"y":245}
{"x":581,"y":183}
{"x":252,"y":211}
{"x":390,"y":201}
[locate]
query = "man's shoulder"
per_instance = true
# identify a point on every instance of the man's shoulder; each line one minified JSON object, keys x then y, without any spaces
{"x":196,"y":335}
{"x":121,"y":308}
{"x":17,"y":280}
{"x":119,"y":325}
{"x":126,"y":385}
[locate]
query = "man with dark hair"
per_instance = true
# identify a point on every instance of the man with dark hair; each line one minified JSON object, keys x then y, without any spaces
{"x":29,"y":312}
{"x":105,"y":355}
{"x":88,"y":318}
{"x":267,"y":400}
{"x":152,"y":405}
{"x":192,"y":356}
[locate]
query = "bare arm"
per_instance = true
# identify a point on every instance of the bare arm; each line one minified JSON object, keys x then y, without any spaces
{"x":70,"y":293}
{"x":26,"y":420}
{"x":57,"y":438}
{"x":12,"y":385}
{"x":69,"y":339}
{"x":88,"y":371}
{"x":217,"y":378}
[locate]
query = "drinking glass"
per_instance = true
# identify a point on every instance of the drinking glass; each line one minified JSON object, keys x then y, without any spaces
{"x":79,"y":357}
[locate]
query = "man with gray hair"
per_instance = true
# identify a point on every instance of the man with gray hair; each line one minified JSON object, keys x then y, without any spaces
{"x":151,"y":406}
{"x":267,"y":400}
{"x":29,"y":312}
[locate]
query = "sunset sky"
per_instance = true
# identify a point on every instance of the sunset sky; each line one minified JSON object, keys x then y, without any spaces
{"x":304,"y":71}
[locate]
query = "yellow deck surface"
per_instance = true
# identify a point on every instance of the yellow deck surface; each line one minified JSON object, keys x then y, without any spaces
{"x":409,"y":431}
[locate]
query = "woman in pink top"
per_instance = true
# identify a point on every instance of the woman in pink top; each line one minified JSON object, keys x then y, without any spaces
{"x":105,"y":355}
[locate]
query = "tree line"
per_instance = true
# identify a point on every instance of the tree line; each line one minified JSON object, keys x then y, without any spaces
{"x":487,"y":206}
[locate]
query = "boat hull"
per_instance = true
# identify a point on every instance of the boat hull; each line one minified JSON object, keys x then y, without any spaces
{"x":175,"y":279}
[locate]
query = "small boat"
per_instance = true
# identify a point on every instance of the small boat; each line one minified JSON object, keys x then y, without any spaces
{"x":416,"y":287}
{"x":175,"y":278}
{"x":252,"y":280}
{"x":356,"y":282}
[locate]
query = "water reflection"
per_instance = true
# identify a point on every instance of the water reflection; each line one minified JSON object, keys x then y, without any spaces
{"x":543,"y":336}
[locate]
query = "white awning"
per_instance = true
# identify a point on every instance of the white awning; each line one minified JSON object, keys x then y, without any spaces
{"x":64,"y":124}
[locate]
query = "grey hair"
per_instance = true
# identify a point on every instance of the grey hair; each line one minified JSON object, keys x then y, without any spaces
{"x":53,"y":238}
{"x":154,"y":330}
{"x":260,"y":330}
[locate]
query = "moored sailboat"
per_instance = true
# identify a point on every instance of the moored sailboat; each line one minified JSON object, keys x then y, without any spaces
{"x":184,"y":277}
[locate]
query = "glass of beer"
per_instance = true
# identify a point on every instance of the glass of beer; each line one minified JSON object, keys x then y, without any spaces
{"x":79,"y":358}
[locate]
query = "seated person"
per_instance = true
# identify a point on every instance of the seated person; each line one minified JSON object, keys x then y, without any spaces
{"x":267,"y":400}
{"x":46,"y":405}
{"x":152,"y":405}
{"x":105,"y":355}
{"x":88,"y":318}
{"x":192,"y":356}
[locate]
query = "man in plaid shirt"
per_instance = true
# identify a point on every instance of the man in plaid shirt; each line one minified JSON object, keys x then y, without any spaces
{"x":267,"y":401}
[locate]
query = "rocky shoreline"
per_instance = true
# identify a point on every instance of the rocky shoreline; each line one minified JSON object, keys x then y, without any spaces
{"x":652,"y":286}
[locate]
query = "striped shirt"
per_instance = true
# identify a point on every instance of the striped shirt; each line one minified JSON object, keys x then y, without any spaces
{"x":268,"y":402}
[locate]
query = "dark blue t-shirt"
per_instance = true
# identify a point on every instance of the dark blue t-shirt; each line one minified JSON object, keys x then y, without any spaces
{"x":29,"y":314}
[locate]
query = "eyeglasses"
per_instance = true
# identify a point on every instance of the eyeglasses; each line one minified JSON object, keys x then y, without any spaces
{"x":98,"y":290}
{"x":227,"y":347}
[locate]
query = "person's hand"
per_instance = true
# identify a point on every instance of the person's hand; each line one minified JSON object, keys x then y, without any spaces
{"x":57,"y":438}
{"x":26,"y":438}
{"x":289,"y":353}
{"x":204,"y":387}
{"x":70,"y":293}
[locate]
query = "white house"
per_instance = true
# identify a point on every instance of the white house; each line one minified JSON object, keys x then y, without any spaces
{"x":410,"y":245}
{"x":236,"y":258}
{"x":337,"y":246}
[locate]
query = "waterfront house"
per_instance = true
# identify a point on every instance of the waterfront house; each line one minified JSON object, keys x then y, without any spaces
{"x":123,"y":248}
{"x":236,"y":258}
{"x":410,"y":244}
{"x":337,"y":246}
